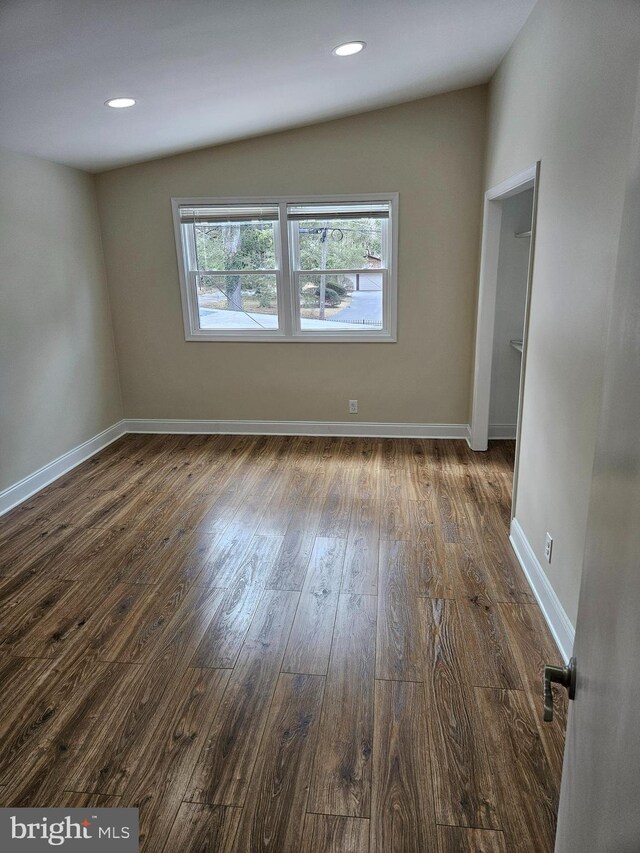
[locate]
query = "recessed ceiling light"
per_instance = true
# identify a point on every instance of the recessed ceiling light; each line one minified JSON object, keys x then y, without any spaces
{"x":349,"y":48}
{"x":120,"y":103}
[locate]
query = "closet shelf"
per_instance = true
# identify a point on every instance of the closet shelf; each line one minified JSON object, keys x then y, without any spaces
{"x":523,"y":233}
{"x":516,"y":345}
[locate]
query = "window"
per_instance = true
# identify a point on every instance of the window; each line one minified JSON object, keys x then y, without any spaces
{"x":288,"y":269}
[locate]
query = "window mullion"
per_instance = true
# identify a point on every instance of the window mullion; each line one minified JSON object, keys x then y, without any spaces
{"x":285,"y":278}
{"x":293,"y":229}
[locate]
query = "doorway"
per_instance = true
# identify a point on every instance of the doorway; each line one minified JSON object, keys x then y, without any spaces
{"x":503,"y":309}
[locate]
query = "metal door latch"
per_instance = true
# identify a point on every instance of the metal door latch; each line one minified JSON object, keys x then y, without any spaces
{"x":564,"y":675}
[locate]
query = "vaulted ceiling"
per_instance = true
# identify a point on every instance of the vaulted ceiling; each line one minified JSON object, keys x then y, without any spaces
{"x":212,"y":71}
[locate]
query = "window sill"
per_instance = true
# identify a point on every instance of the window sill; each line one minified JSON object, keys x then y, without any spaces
{"x":364,"y":337}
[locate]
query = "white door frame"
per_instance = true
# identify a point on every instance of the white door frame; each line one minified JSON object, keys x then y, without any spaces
{"x":492,"y":221}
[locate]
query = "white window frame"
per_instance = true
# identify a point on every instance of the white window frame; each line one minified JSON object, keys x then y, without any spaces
{"x":286,"y":278}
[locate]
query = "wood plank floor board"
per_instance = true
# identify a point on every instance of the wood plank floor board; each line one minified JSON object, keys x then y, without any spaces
{"x":361,"y":559}
{"x":142,"y":508}
{"x":49,"y":765}
{"x":201,"y":827}
{"x":305,"y":515}
{"x":218,"y":512}
{"x":453,"y":520}
{"x":357,"y":452}
{"x":56,"y":799}
{"x":228,"y":627}
{"x":187,"y":627}
{"x":47,"y":508}
{"x":94,"y":508}
{"x":395,"y":451}
{"x":135,"y":618}
{"x":176,"y":476}
{"x":189,"y":513}
{"x":226,"y":762}
{"x":250,"y":511}
{"x":465,"y":793}
{"x":229,"y":553}
{"x":325,"y":566}
{"x":336,"y":509}
{"x":189,"y":482}
{"x":33,"y":694}
{"x":438,"y":575}
{"x":506,"y":577}
{"x":395,"y":519}
{"x":423,"y":517}
{"x":132,"y":717}
{"x":491,"y":661}
{"x":61,"y":621}
{"x":162,"y":773}
{"x":25,"y":545}
{"x":75,"y":800}
{"x":495,"y":491}
{"x":402,"y":814}
{"x":253,"y":561}
{"x":366,"y":482}
{"x":274,"y":812}
{"x":93,"y":553}
{"x":77,"y":620}
{"x":222,"y":481}
{"x":115,"y":737}
{"x":178,"y":556}
{"x":305,"y":477}
{"x":26,"y":514}
{"x":109,"y":550}
{"x":309,"y":645}
{"x":290,"y":567}
{"x":533,"y":648}
{"x":281,"y":507}
{"x":401,"y":646}
{"x":333,"y":834}
{"x":27,"y":599}
{"x":526,"y":786}
{"x":92,"y":473}
{"x":174,"y":511}
{"x":471,"y":578}
{"x":234,"y":609}
{"x":124,"y":621}
{"x":183,"y":562}
{"x":341,"y":781}
{"x":398,"y":485}
{"x":311,"y":635}
{"x":422,"y":475}
{"x":455,"y":840}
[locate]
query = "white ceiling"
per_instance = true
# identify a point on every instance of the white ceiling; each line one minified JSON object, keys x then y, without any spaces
{"x":211,"y":71}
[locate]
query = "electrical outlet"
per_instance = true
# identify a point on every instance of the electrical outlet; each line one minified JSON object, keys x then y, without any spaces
{"x":548,"y":545}
{"x":353,"y":407}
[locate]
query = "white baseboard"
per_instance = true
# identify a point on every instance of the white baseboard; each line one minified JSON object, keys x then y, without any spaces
{"x":467,"y":435}
{"x":321,"y":428}
{"x":553,"y":612}
{"x":19,"y":492}
{"x":502,"y":431}
{"x":495,"y":431}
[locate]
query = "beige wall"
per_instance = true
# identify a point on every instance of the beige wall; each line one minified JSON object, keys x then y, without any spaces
{"x":431,"y":151}
{"x":58,"y":375}
{"x":564,"y":95}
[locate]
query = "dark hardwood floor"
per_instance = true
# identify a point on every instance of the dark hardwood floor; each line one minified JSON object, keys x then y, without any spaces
{"x":280,"y":644}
